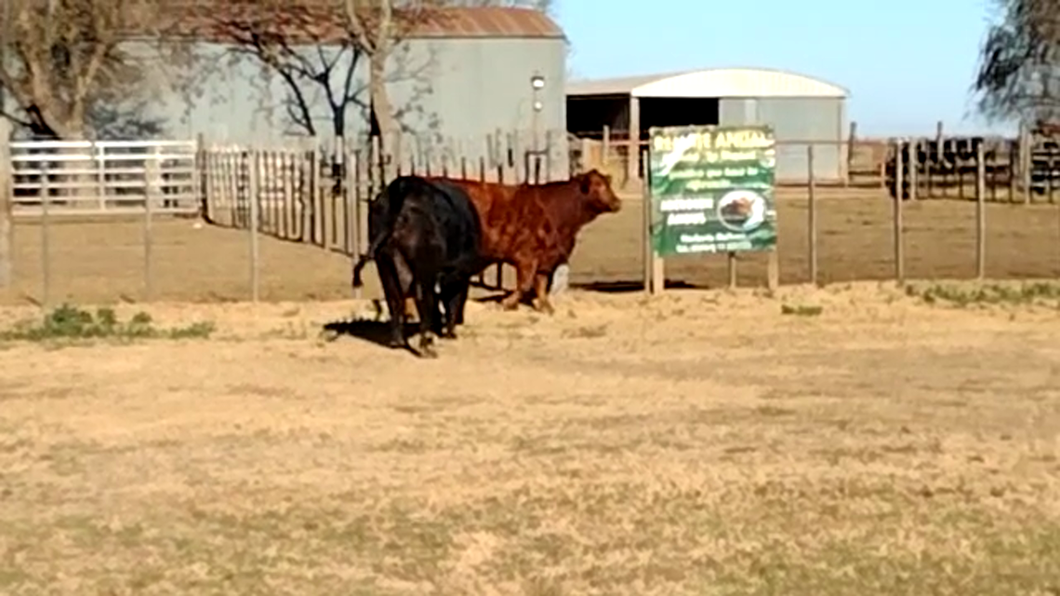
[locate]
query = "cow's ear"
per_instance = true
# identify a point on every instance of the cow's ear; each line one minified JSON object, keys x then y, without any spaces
{"x":584,"y":184}
{"x":608,"y":178}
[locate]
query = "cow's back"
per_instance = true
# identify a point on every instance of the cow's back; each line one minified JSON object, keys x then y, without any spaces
{"x":522,"y":222}
{"x":498,"y":214}
{"x":459,"y":220}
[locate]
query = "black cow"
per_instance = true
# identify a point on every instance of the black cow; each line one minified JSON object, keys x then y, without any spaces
{"x":423,"y":235}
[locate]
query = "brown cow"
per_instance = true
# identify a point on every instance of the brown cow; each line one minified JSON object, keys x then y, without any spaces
{"x":533,"y":227}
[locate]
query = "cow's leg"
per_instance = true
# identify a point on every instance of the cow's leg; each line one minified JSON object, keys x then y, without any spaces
{"x":426,"y":303}
{"x":395,"y":299}
{"x":461,"y":300}
{"x":446,"y":321}
{"x":406,"y":280}
{"x":454,"y":295}
{"x":524,"y":282}
{"x":442,"y":312}
{"x":541,"y":301}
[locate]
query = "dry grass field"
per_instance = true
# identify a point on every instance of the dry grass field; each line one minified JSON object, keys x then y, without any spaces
{"x":103,"y":261}
{"x":697,"y":443}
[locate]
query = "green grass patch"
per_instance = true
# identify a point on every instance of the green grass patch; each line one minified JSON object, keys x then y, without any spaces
{"x":800,"y":310}
{"x":1030,"y":293}
{"x":68,"y":322}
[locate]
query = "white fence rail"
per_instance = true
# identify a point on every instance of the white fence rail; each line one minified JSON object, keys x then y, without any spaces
{"x":104,"y":177}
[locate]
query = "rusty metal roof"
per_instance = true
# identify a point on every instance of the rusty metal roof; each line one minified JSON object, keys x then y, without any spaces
{"x":322,"y":21}
{"x":489,"y":22}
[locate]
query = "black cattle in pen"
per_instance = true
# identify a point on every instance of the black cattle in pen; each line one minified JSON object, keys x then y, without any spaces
{"x":951,"y":164}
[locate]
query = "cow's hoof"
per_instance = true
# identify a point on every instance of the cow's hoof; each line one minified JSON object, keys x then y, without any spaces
{"x":447,"y":334}
{"x":394,"y":342}
{"x":544,"y":307}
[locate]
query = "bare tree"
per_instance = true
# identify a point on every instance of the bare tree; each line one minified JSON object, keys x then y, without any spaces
{"x":299,"y":44}
{"x":373,"y":28}
{"x":62,"y":56}
{"x":316,"y":52}
{"x":377,"y":25}
{"x":1019,"y":63}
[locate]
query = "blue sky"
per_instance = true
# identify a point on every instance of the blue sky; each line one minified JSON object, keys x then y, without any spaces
{"x":907,"y":63}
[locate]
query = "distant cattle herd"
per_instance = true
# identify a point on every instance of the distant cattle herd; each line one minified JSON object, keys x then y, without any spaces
{"x":952,"y":163}
{"x":429,"y":235}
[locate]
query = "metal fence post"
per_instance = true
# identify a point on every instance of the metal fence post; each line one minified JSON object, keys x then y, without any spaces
{"x":6,"y":197}
{"x":45,"y":235}
{"x":812,"y":213}
{"x":899,"y":232}
{"x":151,"y":172}
{"x":980,"y":211}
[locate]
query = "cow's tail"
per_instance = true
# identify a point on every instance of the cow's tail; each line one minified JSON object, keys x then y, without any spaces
{"x":369,"y":255}
{"x":377,"y":242}
{"x":361,"y":262}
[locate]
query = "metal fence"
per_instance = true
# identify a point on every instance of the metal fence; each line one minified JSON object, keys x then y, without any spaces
{"x":849,"y":163}
{"x":103,"y":177}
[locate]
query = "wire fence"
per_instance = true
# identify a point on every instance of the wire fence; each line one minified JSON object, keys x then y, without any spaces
{"x":282,"y":223}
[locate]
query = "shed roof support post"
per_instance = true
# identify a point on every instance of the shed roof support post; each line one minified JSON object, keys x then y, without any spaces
{"x":633,"y":154}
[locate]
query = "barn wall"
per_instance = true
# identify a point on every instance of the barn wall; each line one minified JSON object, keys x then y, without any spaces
{"x":478,"y":87}
{"x":796,"y":119}
{"x":459,"y":89}
{"x":226,"y":98}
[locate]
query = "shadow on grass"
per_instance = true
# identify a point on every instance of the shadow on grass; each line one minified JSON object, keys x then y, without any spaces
{"x":376,"y":332}
{"x":621,"y":287}
{"x":604,"y":287}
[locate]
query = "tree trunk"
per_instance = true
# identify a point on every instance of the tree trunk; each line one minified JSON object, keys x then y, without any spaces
{"x":383,"y":122}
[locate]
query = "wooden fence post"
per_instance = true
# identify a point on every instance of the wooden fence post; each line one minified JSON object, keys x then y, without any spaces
{"x":939,"y":157}
{"x":812,"y":215}
{"x":649,"y":252}
{"x":914,"y":169}
{"x":656,"y":262}
{"x":252,"y":198}
{"x":309,"y":200}
{"x":1013,"y":168}
{"x":6,"y":198}
{"x":605,"y":149}
{"x":1026,"y":159}
{"x":733,"y":268}
{"x":851,"y":142}
{"x":202,"y":178}
{"x":980,"y":212}
{"x":354,"y":163}
{"x":899,"y":240}
{"x":149,"y":198}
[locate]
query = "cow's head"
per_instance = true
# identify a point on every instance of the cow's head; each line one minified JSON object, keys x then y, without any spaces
{"x":595,"y":188}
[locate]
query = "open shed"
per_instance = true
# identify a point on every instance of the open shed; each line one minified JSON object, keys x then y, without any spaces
{"x":801,"y":110}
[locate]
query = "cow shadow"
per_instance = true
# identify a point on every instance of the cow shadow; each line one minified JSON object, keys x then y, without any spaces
{"x":627,"y":286}
{"x":492,"y":298}
{"x":370,"y":330}
{"x":604,"y":287}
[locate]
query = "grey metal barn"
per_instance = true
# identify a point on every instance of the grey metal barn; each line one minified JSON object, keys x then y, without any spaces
{"x":801,"y":110}
{"x":456,"y":79}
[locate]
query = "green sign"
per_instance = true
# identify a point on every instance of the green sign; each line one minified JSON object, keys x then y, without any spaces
{"x":712,"y":189}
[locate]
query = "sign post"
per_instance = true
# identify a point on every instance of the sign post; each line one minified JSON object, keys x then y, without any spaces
{"x":711,"y":191}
